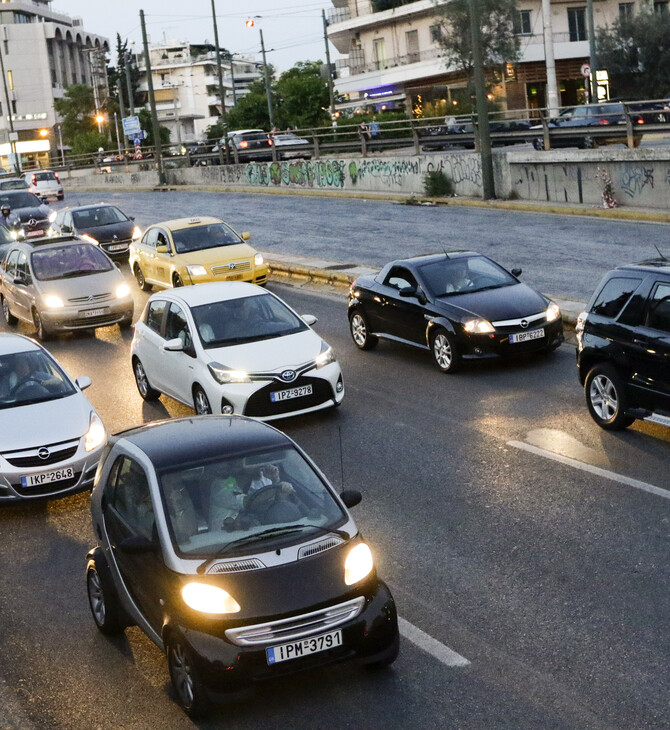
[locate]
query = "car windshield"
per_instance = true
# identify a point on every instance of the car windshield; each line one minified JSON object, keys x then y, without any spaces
{"x":31,"y":377}
{"x":13,"y":184}
{"x":73,"y":259}
{"x":248,"y":319}
{"x":463,"y":275}
{"x":198,"y":238}
{"x":246,"y":503}
{"x":44,"y":176}
{"x":20,"y":200}
{"x":93,"y":217}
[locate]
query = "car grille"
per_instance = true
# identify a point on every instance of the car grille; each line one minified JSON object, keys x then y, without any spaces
{"x":308,"y":550}
{"x":297,"y":627}
{"x":92,"y":298}
{"x":52,"y":488}
{"x":103,"y":319}
{"x":237,"y":566}
{"x":235,"y":267}
{"x":30,"y":457}
{"x":259,"y":404}
{"x":510,"y":326}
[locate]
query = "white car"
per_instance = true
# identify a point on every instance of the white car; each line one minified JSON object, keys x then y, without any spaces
{"x":44,"y":184}
{"x":51,"y":438}
{"x":233,"y":347}
{"x":290,"y":146}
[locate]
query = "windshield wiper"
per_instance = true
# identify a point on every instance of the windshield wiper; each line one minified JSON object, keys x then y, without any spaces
{"x":80,"y":272}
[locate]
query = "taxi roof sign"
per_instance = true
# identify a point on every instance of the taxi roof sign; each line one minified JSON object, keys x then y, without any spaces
{"x":194,"y":220}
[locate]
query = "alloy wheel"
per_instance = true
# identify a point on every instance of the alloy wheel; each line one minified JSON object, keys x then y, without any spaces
{"x":358,"y":330}
{"x":604,"y":397}
{"x":442,"y":351}
{"x":181,"y":672}
{"x":96,"y":597}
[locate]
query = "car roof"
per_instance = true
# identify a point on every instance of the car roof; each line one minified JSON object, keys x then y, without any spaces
{"x":11,"y":343}
{"x":45,"y":241}
{"x":428,"y":258}
{"x":246,"y":131}
{"x":650,"y":265}
{"x":176,"y":224}
{"x":214,"y":291}
{"x":88,"y":207}
{"x":196,"y":439}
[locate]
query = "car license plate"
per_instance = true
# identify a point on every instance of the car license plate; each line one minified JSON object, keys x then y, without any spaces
{"x":95,"y":312}
{"x":35,"y":233}
{"x":304,"y":647}
{"x":234,"y":277}
{"x":291,"y":393}
{"x":525,"y":336}
{"x":118,"y":247}
{"x":37,"y":480}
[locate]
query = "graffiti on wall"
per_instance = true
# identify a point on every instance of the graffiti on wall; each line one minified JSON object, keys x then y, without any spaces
{"x":634,"y":179}
{"x":320,"y":173}
{"x":391,"y":173}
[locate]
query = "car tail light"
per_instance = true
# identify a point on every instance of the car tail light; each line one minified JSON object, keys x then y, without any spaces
{"x":34,"y":180}
{"x":270,"y":142}
{"x":244,"y":144}
{"x":602,"y":122}
{"x":640,"y":120}
{"x":57,"y":178}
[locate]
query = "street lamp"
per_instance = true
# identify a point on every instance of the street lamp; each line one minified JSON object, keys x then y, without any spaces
{"x":250,"y":24}
{"x":99,"y":119}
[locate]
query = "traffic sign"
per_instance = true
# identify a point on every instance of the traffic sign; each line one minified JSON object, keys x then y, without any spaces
{"x":585,"y":70}
{"x":131,"y":126}
{"x":137,"y":141}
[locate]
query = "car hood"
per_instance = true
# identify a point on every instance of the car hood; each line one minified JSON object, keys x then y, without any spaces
{"x":272,"y":355}
{"x":218,"y":255}
{"x":95,"y":283}
{"x":506,"y":302}
{"x":25,"y":214}
{"x":105,"y":234}
{"x":38,"y":424}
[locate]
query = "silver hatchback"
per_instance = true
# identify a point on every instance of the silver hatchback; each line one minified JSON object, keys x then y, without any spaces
{"x":61,"y":284}
{"x":45,"y":184}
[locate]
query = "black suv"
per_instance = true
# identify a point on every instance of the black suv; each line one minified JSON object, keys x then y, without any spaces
{"x":624,"y":346}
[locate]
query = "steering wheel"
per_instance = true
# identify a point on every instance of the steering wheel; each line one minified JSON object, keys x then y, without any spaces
{"x":262,"y":499}
{"x":482,"y":281}
{"x":19,"y":387}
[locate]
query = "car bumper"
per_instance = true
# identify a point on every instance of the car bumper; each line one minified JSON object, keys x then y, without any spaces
{"x":499,"y":344}
{"x":256,"y":275}
{"x":116,"y":248}
{"x":224,"y":667}
{"x":75,"y":318}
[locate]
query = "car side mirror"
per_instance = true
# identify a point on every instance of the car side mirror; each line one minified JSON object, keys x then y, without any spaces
{"x":246,"y":236}
{"x":65,"y":229}
{"x":407,"y":291}
{"x":162,"y":249}
{"x":309,"y":319}
{"x":351,"y":497}
{"x":19,"y":281}
{"x":132,"y":217}
{"x":176,"y":345}
{"x":137,"y":545}
{"x":516,"y":272}
{"x":83,"y":382}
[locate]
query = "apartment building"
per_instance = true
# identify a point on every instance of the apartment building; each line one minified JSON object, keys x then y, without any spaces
{"x":186,"y":86}
{"x":43,"y":53}
{"x":392,"y":56}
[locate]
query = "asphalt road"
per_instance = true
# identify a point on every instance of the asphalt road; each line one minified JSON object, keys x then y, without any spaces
{"x":549,"y":579}
{"x":562,"y":255}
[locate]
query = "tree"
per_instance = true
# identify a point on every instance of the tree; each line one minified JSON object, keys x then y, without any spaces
{"x":77,"y":109}
{"x":251,"y":111}
{"x":636,"y":53}
{"x":303,"y":98}
{"x":116,"y":75}
{"x":499,"y":43}
{"x":147,"y":125}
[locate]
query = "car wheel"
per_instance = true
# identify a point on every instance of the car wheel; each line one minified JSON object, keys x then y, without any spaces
{"x":445,"y":352}
{"x":104,"y":602}
{"x":142,"y":382}
{"x":9,"y":317}
{"x":606,"y":398}
{"x":538,"y":143}
{"x":201,"y":401}
{"x":360,"y":334}
{"x":190,"y":692}
{"x":177,"y":281}
{"x":141,"y":281}
{"x":41,"y":331}
{"x":126,"y":322}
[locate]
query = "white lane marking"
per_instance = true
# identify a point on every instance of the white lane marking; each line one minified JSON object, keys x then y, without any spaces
{"x":441,"y":652}
{"x":593,"y":469}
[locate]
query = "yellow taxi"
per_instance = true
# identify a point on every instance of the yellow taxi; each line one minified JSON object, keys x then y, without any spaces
{"x":194,"y":250}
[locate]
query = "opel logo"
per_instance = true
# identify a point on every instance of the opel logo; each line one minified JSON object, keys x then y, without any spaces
{"x":43,"y":453}
{"x":232,"y":266}
{"x":288,"y":376}
{"x":524,"y":323}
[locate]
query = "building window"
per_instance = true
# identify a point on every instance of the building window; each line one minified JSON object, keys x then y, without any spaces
{"x":577,"y":24}
{"x":10,"y":80}
{"x":412,"y":45}
{"x":661,"y":7}
{"x":522,"y":23}
{"x":435,"y":33}
{"x":625,"y":11}
{"x":380,"y":53}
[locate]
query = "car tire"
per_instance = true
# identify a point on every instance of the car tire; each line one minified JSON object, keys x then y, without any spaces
{"x":9,"y":317}
{"x":126,"y":322}
{"x":201,"y":403}
{"x":104,"y":601}
{"x":139,"y":277}
{"x":191,"y":694}
{"x":445,"y":352}
{"x":40,"y":330}
{"x":360,"y":332}
{"x":142,"y":381}
{"x":606,"y":398}
{"x":538,"y":143}
{"x":177,"y":281}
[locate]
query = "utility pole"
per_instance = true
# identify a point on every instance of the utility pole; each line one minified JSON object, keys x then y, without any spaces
{"x":152,"y":104}
{"x":331,"y":91}
{"x":268,"y":90}
{"x":129,"y":86}
{"x":222,"y":92}
{"x":12,"y":141}
{"x":488,"y":186}
{"x":232,"y":78}
{"x":593,"y":91}
{"x":549,"y":59}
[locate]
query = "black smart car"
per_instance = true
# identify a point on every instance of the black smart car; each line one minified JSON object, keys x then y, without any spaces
{"x":459,"y":305}
{"x":624,"y":346}
{"x":226,"y":545}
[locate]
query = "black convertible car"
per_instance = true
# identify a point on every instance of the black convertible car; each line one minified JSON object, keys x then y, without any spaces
{"x":459,"y":305}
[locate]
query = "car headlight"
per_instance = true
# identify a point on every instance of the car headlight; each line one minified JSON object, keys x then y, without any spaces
{"x":137,"y":233}
{"x":122,"y":291}
{"x":478,"y":326}
{"x":208,"y":599}
{"x":581,"y":321}
{"x":196,"y":270}
{"x":553,"y":312}
{"x":53,"y":302}
{"x":326,"y":356}
{"x":90,"y":239}
{"x":358,"y":564}
{"x":258,"y":259}
{"x":96,"y":433}
{"x":52,"y":217}
{"x":18,"y":234}
{"x":225,"y":375}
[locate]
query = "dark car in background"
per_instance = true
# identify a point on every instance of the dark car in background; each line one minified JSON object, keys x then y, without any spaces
{"x":105,"y":225}
{"x":28,"y":212}
{"x":460,"y":305}
{"x":13,"y":183}
{"x":251,"y":144}
{"x":503,"y":132}
{"x":623,"y":346}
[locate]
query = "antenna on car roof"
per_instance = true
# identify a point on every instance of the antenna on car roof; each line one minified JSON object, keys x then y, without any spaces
{"x":445,"y":251}
{"x":659,"y":253}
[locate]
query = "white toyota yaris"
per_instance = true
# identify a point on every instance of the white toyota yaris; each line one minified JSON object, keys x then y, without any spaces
{"x":233,"y":347}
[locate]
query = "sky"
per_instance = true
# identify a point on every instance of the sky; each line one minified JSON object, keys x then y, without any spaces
{"x":292,"y":28}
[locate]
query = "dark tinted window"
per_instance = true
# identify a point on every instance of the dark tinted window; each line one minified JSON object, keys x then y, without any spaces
{"x":399,"y":278}
{"x":155,"y":314}
{"x":94,"y":217}
{"x":177,"y":326}
{"x":658,"y":308}
{"x":20,"y":200}
{"x":198,"y":238}
{"x":614,"y":295}
{"x":130,"y":495}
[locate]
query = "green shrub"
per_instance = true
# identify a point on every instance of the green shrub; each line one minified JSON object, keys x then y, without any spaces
{"x":437,"y":184}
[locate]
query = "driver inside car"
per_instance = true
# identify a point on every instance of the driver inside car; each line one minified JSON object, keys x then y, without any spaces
{"x":20,"y":374}
{"x":459,"y":280}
